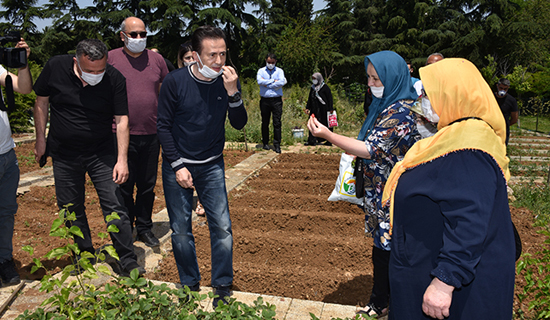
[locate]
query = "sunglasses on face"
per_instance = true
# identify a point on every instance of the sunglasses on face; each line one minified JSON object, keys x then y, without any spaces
{"x":134,"y":34}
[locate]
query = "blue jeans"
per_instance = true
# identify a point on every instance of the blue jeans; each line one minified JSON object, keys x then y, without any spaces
{"x":9,"y":180}
{"x":209,"y":181}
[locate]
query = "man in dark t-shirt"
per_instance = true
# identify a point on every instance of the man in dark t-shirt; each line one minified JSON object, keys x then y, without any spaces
{"x":507,"y":104}
{"x":84,"y":94}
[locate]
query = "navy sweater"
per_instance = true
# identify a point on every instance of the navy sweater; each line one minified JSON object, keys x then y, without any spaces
{"x":191,"y":118}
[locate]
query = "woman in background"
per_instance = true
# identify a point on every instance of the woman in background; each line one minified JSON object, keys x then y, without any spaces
{"x":319,"y":104}
{"x":185,"y":55}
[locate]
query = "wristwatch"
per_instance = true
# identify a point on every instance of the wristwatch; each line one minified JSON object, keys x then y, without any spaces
{"x":235,"y":97}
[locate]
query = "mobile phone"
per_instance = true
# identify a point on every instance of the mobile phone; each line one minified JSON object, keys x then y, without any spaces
{"x":42,"y":161}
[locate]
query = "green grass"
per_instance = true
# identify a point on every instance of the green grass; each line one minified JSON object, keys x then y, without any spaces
{"x":350,"y":115}
{"x":530,"y":123}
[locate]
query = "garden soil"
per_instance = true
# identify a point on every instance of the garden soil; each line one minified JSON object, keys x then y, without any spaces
{"x":288,"y":239}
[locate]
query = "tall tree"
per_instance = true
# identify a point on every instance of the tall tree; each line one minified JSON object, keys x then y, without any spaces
{"x":528,"y":34}
{"x":303,"y":49}
{"x":20,"y":15}
{"x":290,"y":11}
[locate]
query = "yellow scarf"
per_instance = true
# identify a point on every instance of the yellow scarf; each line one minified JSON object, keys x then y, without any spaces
{"x":456,"y":90}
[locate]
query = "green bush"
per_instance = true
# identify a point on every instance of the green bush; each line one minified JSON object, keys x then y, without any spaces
{"x":350,"y":114}
{"x":536,"y":271}
{"x":21,"y":117}
{"x":535,"y":268}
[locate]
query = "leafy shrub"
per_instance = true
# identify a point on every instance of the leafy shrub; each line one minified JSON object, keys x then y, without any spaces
{"x":350,"y":114}
{"x":21,"y":117}
{"x":536,"y":271}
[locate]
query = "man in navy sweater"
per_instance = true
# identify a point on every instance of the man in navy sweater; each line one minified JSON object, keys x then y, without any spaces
{"x":193,"y":104}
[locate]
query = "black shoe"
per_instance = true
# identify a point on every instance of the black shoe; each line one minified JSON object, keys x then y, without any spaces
{"x":8,"y":273}
{"x":125,"y":272}
{"x":194,"y":288}
{"x":265,"y":147}
{"x":223,"y":293}
{"x":278,"y":149}
{"x":149,"y":239}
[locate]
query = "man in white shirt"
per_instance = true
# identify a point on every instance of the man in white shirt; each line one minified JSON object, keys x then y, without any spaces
{"x":271,"y":80}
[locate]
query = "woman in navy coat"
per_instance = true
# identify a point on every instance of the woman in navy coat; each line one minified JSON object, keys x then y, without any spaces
{"x":453,"y":245}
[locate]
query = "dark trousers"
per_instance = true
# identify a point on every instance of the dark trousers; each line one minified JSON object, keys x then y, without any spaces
{"x":270,"y":106}
{"x":70,"y":178}
{"x":143,"y":159}
{"x":381,"y":279}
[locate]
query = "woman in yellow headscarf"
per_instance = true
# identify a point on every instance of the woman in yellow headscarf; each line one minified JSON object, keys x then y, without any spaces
{"x":453,"y":243}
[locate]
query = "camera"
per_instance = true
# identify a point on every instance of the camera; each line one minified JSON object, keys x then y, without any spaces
{"x":12,"y":57}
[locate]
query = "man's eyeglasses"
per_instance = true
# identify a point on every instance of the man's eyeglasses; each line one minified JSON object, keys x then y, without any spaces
{"x":134,"y":34}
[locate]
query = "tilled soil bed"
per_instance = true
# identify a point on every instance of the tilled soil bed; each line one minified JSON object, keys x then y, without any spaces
{"x":38,"y":208}
{"x":290,"y":241}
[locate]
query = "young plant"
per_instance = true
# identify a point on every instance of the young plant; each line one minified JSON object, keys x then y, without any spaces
{"x":536,"y":270}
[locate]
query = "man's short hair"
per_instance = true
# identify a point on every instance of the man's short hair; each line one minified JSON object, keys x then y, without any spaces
{"x":92,"y":48}
{"x":504,"y":82}
{"x":123,"y":25}
{"x":205,"y":32}
{"x":436,"y":54}
{"x":271,"y":56}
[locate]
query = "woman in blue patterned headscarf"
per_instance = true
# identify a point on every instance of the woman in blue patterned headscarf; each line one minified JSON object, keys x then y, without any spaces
{"x":386,"y":135}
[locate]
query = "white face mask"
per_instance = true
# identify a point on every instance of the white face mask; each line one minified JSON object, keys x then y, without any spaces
{"x":270,"y":66}
{"x":378,"y":92}
{"x":501,"y":93}
{"x":135,"y":45}
{"x":315,"y":82}
{"x":207,"y":72}
{"x":91,"y":78}
{"x":187,"y":63}
{"x":428,"y":111}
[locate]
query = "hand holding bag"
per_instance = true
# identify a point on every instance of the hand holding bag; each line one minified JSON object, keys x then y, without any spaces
{"x":346,"y":184}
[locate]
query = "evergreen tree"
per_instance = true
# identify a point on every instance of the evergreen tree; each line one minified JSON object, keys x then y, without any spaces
{"x":290,"y":11}
{"x":21,"y":15}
